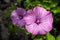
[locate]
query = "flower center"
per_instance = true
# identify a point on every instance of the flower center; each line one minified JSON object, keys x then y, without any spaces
{"x":37,"y":21}
{"x":20,"y":17}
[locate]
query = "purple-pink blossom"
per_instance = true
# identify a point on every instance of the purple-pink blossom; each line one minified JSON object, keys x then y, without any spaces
{"x":38,"y":20}
{"x":17,"y":17}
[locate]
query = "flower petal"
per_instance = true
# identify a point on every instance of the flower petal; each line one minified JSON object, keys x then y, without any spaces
{"x":29,"y":18}
{"x":15,"y":19}
{"x":20,"y":22}
{"x":46,"y":23}
{"x":30,"y":11}
{"x":33,"y":28}
{"x":40,"y":11}
{"x":48,"y":19}
{"x":21,"y":11}
{"x":14,"y":13}
{"x":41,"y":30}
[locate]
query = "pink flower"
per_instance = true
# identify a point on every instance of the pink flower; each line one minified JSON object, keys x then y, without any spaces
{"x":38,"y":20}
{"x":17,"y":17}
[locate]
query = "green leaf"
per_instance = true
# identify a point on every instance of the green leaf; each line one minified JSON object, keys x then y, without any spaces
{"x":49,"y":37}
{"x":38,"y":39}
{"x":18,"y":0}
{"x":26,"y":4}
{"x":56,"y":10}
{"x":27,"y":33}
{"x":58,"y":37}
{"x":8,"y":12}
{"x":48,"y":4}
{"x":47,"y":1}
{"x":45,"y":5}
{"x":13,"y":28}
{"x":27,"y":1}
{"x":53,"y":4}
{"x":10,"y":26}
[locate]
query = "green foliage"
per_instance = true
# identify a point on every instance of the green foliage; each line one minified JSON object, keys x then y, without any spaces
{"x":27,"y":33}
{"x":38,"y":39}
{"x":58,"y":37}
{"x":8,"y":11}
{"x":10,"y":26}
{"x":56,"y":10}
{"x":49,"y":37}
{"x":26,"y":4}
{"x":48,"y":4}
{"x":18,"y":0}
{"x":13,"y":28}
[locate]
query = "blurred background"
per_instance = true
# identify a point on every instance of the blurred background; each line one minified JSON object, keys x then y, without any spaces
{"x":10,"y":32}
